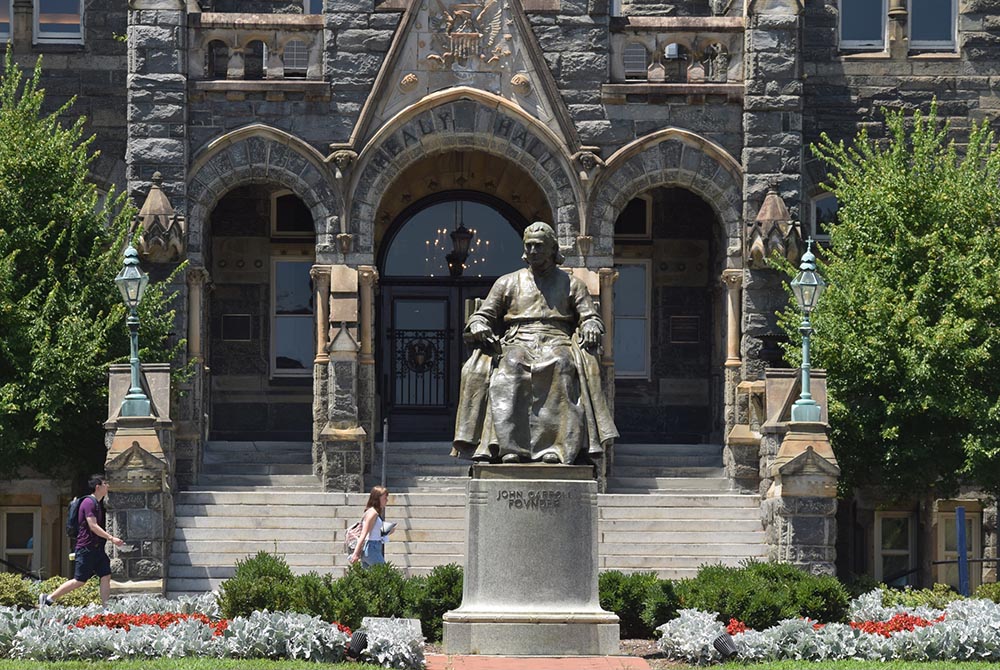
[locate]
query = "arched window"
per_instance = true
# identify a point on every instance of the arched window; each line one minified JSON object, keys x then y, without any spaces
{"x":423,"y":242}
{"x":295,"y":58}
{"x":635,"y":59}
{"x":255,"y":60}
{"x":218,"y":60}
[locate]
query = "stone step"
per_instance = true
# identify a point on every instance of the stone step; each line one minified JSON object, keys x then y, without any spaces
{"x":309,"y":561}
{"x":206,"y":481}
{"x":716,"y":500}
{"x":703,"y":552}
{"x":427,"y":483}
{"x":344,"y":512}
{"x":663,"y":562}
{"x":297,"y":457}
{"x":665,"y":484}
{"x":332,"y":523}
{"x":217,"y":446}
{"x":699,"y":471}
{"x":195,"y":535}
{"x":703,"y":515}
{"x":704,"y":537}
{"x":720,"y":526}
{"x":257,"y":469}
{"x":666,"y":449}
{"x":286,"y":498}
{"x":314,"y":547}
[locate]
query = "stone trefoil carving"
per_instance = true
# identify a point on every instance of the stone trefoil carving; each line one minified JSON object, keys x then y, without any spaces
{"x":469,"y":32}
{"x":161,"y":239}
{"x":773,"y":232}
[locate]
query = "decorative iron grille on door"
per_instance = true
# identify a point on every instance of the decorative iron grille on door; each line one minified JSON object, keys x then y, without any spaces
{"x":421,"y":364}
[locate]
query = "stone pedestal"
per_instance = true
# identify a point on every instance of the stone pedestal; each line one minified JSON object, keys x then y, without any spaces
{"x":531,"y":566}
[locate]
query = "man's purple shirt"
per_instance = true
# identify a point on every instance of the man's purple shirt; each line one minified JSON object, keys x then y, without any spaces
{"x":85,"y":538}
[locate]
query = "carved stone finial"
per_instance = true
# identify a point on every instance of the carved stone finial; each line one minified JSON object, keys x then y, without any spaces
{"x":161,"y":239}
{"x":772,"y":232}
{"x":345,"y":242}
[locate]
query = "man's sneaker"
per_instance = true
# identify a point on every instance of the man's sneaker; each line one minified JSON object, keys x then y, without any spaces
{"x":43,"y":600}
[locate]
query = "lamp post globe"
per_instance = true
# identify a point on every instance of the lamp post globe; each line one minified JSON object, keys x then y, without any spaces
{"x":132,"y":282}
{"x":807,"y":286}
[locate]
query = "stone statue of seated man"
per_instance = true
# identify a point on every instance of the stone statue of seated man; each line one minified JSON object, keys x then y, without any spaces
{"x":532,"y":389}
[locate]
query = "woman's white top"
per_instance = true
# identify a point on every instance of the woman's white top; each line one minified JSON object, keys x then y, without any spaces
{"x":375,"y":534}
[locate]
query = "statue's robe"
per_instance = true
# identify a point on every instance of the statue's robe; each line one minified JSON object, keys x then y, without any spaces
{"x":542,"y":393}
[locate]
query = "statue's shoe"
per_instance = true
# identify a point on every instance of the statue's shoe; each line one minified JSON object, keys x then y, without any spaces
{"x":551,"y":458}
{"x":511,"y":458}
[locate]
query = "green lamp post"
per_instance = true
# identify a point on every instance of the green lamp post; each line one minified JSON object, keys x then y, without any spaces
{"x":132,"y":283}
{"x":808,"y":286}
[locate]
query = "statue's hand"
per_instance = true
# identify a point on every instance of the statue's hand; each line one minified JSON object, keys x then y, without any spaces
{"x":483,"y":335}
{"x":590,"y":333}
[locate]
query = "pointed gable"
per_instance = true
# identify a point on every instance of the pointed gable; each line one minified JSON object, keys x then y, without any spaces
{"x":480,"y":44}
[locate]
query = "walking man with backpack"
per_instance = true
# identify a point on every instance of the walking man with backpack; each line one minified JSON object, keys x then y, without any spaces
{"x":91,"y":558}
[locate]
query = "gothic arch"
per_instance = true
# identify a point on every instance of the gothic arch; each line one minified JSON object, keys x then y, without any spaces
{"x":464,"y":118}
{"x":260,"y":154}
{"x":670,"y":157}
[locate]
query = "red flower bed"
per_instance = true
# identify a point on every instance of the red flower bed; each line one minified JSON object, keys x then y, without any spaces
{"x":736,"y":627}
{"x":897,"y":623}
{"x":126,"y":621}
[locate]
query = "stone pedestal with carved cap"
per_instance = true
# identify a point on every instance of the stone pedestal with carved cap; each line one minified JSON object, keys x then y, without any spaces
{"x":531,"y":566}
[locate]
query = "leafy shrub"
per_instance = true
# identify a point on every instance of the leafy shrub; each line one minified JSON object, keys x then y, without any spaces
{"x":989,"y":592}
{"x":375,"y":591}
{"x":660,"y":604}
{"x":430,"y":597}
{"x":312,"y":596}
{"x":858,"y":585}
{"x":14,"y":591}
{"x":762,"y":594}
{"x":261,"y":582}
{"x":937,"y":597}
{"x":625,"y":595}
{"x":88,"y":594}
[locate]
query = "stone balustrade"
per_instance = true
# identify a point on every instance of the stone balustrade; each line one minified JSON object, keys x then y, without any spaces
{"x":671,"y":51}
{"x":248,"y":47}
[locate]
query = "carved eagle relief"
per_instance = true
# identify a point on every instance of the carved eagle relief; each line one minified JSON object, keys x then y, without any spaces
{"x":468,"y":32}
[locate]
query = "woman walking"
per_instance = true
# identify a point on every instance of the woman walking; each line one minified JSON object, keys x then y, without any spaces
{"x":370,"y":542}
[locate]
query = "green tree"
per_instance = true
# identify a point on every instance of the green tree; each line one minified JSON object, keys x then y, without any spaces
{"x":907,"y":330}
{"x":61,"y":318}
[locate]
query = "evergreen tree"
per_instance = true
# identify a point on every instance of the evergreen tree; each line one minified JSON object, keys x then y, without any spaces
{"x":62,"y":321}
{"x":907,"y":330}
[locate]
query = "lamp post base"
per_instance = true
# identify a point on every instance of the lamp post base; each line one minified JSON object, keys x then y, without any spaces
{"x":135,"y":406}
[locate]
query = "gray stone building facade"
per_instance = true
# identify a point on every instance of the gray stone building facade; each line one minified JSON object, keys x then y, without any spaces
{"x":311,"y":163}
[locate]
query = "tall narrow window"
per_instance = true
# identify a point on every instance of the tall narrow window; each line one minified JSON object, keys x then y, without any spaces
{"x":947,"y":543}
{"x":313,"y":6}
{"x":255,"y":60}
{"x":824,"y":214}
{"x":293,"y":333}
{"x":218,"y":60}
{"x":59,"y":21}
{"x":635,"y":58}
{"x":631,"y":328}
{"x":20,"y":528}
{"x":5,"y":14}
{"x":895,"y":556}
{"x":863,"y":24}
{"x":295,"y":58}
{"x":932,"y":24}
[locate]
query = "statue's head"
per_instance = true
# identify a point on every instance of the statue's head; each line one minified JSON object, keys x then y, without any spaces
{"x":541,"y":231}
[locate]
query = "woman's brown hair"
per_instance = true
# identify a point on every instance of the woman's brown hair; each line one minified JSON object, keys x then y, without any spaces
{"x":375,"y":499}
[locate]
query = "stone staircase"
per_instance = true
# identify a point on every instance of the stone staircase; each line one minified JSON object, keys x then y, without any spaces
{"x":258,"y":496}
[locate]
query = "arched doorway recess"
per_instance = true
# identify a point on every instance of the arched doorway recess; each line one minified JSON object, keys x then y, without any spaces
{"x":427,"y":290}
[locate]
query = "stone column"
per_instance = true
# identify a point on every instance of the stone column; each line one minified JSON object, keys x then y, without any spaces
{"x":607,"y":278}
{"x":196,"y":279}
{"x":22,"y":26}
{"x":320,"y":275}
{"x":733,"y":279}
{"x":157,"y":98}
{"x":367,"y":282}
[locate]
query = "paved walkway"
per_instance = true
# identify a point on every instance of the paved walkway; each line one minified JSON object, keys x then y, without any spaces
{"x":442,"y":662}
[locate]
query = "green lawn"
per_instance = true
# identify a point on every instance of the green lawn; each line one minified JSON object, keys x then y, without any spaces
{"x":183,"y":664}
{"x":861,"y":665}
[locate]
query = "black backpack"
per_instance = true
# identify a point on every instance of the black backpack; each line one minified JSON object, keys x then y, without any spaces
{"x":73,"y":517}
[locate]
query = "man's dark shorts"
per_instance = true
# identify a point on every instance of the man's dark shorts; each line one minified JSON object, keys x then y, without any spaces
{"x":91,"y":561}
